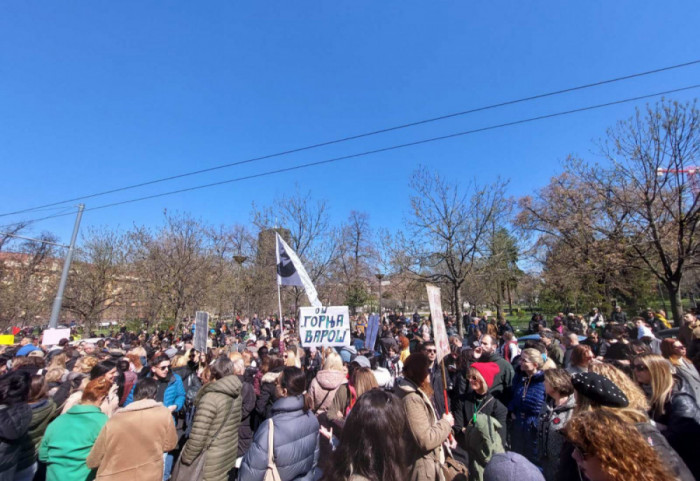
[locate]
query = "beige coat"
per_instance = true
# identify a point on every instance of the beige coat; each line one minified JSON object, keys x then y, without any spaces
{"x":131,"y":445}
{"x":426,"y":433}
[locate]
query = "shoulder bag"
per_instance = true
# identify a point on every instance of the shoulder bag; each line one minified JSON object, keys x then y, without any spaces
{"x":195,"y":471}
{"x":271,"y":474}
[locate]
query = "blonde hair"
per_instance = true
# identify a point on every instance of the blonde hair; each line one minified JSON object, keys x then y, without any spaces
{"x":178,"y":361}
{"x":534,"y":356}
{"x":235,"y":356}
{"x":55,"y":374}
{"x":661,"y":380}
{"x":59,"y":360}
{"x":333,"y":362}
{"x":636,"y":397}
{"x":139,"y":351}
{"x":291,"y":360}
{"x":85,"y":364}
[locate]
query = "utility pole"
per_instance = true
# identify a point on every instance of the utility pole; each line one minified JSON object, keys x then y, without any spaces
{"x":56,"y":310}
{"x":379,"y":277}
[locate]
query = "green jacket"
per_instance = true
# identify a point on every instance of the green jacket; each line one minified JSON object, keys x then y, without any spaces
{"x":43,"y":413}
{"x":67,"y":443}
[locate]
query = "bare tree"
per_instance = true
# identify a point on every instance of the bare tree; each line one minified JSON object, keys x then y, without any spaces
{"x":448,"y":228}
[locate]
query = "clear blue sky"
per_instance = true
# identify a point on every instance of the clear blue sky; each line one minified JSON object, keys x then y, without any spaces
{"x":95,"y":95}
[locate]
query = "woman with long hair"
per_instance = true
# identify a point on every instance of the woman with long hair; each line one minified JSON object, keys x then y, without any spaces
{"x":295,"y":434}
{"x":15,"y":419}
{"x":556,"y":412}
{"x":673,"y":407}
{"x":608,"y":449}
{"x":674,"y":350}
{"x":327,"y":381}
{"x":371,"y":447}
{"x":427,"y":433}
{"x":360,"y":381}
{"x":581,"y":358}
{"x":526,"y":404}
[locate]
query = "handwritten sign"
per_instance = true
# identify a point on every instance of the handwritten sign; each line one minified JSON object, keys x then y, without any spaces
{"x":324,"y":326}
{"x":201,"y":331}
{"x":439,"y":332}
{"x":52,"y":336}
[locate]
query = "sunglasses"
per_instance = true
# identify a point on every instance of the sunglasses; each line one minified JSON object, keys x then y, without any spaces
{"x":639,"y":367}
{"x":431,"y":351}
{"x":163,"y":368}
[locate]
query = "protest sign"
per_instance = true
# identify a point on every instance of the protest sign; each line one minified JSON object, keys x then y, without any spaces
{"x":324,"y":326}
{"x":7,"y":340}
{"x":439,"y":332}
{"x":201,"y":331}
{"x":52,"y":336}
{"x":372,"y":330}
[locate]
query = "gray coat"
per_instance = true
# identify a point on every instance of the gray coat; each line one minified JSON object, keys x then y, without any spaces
{"x":549,"y":438}
{"x":691,"y":377}
{"x":295,"y":443}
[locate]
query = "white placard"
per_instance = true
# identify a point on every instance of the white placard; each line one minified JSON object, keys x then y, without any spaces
{"x":324,"y":326}
{"x":442,"y":344}
{"x":52,"y":336}
{"x":201,"y":331}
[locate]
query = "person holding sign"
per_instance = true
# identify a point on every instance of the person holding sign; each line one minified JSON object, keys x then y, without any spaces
{"x":427,"y":433}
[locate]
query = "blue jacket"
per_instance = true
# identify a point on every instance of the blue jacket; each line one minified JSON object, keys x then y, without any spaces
{"x":526,"y":405}
{"x":174,"y":393}
{"x":295,"y":444}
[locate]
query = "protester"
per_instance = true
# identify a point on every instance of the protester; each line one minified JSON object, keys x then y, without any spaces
{"x":69,"y":439}
{"x":526,"y":404}
{"x":427,"y":433}
{"x":15,"y":420}
{"x":503,"y":381}
{"x":43,"y":412}
{"x":132,"y":443}
{"x":323,"y":387}
{"x":248,"y":398}
{"x":673,"y":406}
{"x":608,"y":449}
{"x":674,"y":351}
{"x":217,"y":408}
{"x":361,"y":380}
{"x":270,"y":370}
{"x":581,"y":357}
{"x":555,"y":413}
{"x":429,"y":349}
{"x":371,"y":446}
{"x":295,"y":438}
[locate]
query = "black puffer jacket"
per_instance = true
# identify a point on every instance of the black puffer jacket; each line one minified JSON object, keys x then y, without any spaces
{"x":651,"y":435}
{"x":681,"y":420}
{"x":245,"y":431}
{"x":295,"y":443}
{"x":14,"y":423}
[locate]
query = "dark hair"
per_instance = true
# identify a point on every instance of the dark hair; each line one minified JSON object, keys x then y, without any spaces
{"x":416,"y":369}
{"x":559,"y":380}
{"x":221,"y":368}
{"x":372,"y":440}
{"x":38,"y":389}
{"x":102,"y":368}
{"x":427,"y":344}
{"x":293,"y":380}
{"x":146,"y":388}
{"x":14,"y":387}
{"x":158,"y":358}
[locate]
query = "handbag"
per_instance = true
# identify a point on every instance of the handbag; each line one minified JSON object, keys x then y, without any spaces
{"x":195,"y":470}
{"x":454,"y":470}
{"x":271,"y":473}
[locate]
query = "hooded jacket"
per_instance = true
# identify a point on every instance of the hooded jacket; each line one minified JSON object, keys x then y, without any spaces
{"x":131,"y":444}
{"x":14,"y":423}
{"x":425,"y":433}
{"x":503,"y":381}
{"x":323,"y":387}
{"x":267,"y":395}
{"x":43,"y":412}
{"x":213,"y":404}
{"x":295,"y":443}
{"x":67,"y":443}
{"x":174,"y":394}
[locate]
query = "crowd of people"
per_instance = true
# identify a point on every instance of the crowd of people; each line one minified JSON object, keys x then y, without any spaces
{"x":584,"y":398}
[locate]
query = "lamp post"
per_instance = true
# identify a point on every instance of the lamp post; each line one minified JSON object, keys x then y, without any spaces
{"x":240,"y":259}
{"x":379,"y":277}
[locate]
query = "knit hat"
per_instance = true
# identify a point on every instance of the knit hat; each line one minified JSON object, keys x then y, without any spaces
{"x":488,"y":371}
{"x":599,"y":389}
{"x":511,"y":466}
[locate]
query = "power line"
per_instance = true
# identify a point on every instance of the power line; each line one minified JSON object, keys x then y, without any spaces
{"x":376,"y":151}
{"x":358,"y":136}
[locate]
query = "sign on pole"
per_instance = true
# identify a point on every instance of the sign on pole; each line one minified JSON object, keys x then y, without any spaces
{"x":324,"y":326}
{"x":7,"y":340}
{"x":51,"y":337}
{"x":201,"y":331}
{"x":439,"y":332}
{"x":372,"y":331}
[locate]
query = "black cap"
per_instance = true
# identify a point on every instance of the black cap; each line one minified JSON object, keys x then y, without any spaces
{"x":599,"y":389}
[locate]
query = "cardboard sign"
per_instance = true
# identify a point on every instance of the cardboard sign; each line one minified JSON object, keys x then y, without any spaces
{"x":52,"y":336}
{"x":439,"y":332}
{"x":7,"y":340}
{"x":324,"y":326}
{"x":372,"y":331}
{"x":201,"y":331}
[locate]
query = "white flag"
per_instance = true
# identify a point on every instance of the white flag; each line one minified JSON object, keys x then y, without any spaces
{"x":290,"y":272}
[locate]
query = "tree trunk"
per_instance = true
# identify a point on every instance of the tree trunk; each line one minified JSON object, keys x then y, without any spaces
{"x":458,"y":309}
{"x":674,"y":295}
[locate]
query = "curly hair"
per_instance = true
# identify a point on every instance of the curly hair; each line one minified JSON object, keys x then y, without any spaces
{"x":622,"y":451}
